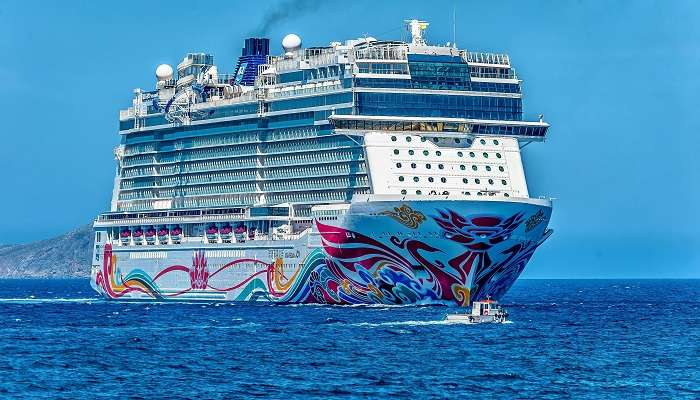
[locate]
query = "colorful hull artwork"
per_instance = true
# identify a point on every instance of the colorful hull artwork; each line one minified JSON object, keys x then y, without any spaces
{"x":385,"y":253}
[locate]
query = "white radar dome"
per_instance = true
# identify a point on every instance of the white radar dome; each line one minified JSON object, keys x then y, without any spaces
{"x":164,"y":72}
{"x":291,"y":42}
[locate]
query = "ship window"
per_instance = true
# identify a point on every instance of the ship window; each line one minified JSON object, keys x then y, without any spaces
{"x":431,"y":179}
{"x":474,"y":168}
{"x":423,"y":139}
{"x":413,"y":165}
{"x":393,"y":138}
{"x":486,"y":155}
{"x":411,"y":152}
{"x":436,"y":140}
{"x":441,"y":166}
{"x":416,"y":179}
{"x":438,"y":153}
{"x":504,"y":182}
{"x":495,"y":142}
{"x":500,"y":168}
{"x":425,"y":152}
{"x":467,"y":193}
{"x":471,"y":154}
{"x":446,"y":193}
{"x":498,"y":155}
{"x":408,"y":138}
{"x":482,"y":141}
{"x":427,"y":166}
{"x":418,"y":192}
{"x":460,"y":154}
{"x":398,"y":165}
{"x":443,"y":180}
{"x":477,"y":181}
{"x":462,"y":167}
{"x":396,"y":151}
{"x":465,"y":180}
{"x":490,"y":181}
{"x":506,"y":195}
{"x":400,"y":178}
{"x":457,"y":140}
{"x":403,"y":191}
{"x":488,"y":168}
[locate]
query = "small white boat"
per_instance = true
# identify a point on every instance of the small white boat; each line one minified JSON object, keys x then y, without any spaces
{"x":482,"y":311}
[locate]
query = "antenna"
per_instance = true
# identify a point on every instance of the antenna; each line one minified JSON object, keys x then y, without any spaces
{"x":454,"y":25}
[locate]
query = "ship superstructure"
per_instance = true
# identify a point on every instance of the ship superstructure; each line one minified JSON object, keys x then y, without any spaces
{"x":367,"y":171}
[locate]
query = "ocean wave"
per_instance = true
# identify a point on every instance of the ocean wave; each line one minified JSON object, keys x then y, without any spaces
{"x":86,"y":300}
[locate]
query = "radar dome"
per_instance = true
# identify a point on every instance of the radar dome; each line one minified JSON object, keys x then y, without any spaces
{"x":164,"y":72}
{"x":291,"y":42}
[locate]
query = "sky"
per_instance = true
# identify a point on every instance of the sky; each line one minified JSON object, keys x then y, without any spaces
{"x":617,"y":80}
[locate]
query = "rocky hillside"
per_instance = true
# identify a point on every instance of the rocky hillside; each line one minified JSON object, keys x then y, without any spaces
{"x":65,"y":256}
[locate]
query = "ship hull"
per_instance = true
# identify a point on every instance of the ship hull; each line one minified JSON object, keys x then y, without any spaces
{"x":379,"y":252}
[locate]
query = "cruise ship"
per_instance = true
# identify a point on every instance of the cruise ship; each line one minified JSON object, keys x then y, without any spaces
{"x":362,"y":172}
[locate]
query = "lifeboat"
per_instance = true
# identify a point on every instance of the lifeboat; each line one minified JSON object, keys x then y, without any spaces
{"x":138,"y":235}
{"x":225,"y":233}
{"x":125,"y":236}
{"x":239,"y":233}
{"x":151,"y":235}
{"x":176,"y":234}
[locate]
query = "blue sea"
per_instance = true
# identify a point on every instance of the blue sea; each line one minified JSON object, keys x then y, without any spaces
{"x":567,"y":339}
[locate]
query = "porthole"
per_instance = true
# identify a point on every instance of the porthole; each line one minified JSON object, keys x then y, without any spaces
{"x":426,"y":152}
{"x":416,"y":179}
{"x":398,"y":165}
{"x":403,"y":191}
{"x":465,"y":180}
{"x":486,"y":155}
{"x":460,"y":154}
{"x":506,"y":194}
{"x":495,"y":142}
{"x":441,"y":166}
{"x":438,"y":153}
{"x":471,"y":154}
{"x":462,"y":167}
{"x":393,"y":138}
{"x":435,"y":140}
{"x":431,"y":179}
{"x":479,"y":194}
{"x":396,"y":151}
{"x":443,"y":180}
{"x":490,"y":181}
{"x":400,"y":178}
{"x":469,"y":141}
{"x":474,"y":168}
{"x":466,"y":193}
{"x":411,"y":152}
{"x":445,"y":193}
{"x":477,"y":181}
{"x":428,"y":166}
{"x":419,"y":192}
{"x":423,"y":139}
{"x":504,"y":182}
{"x":408,"y":138}
{"x":482,"y":141}
{"x":413,"y":165}
{"x":498,"y":155}
{"x":457,"y":140}
{"x":488,"y":168}
{"x":500,"y":168}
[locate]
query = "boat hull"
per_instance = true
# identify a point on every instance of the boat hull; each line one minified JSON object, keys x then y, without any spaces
{"x":378,"y":252}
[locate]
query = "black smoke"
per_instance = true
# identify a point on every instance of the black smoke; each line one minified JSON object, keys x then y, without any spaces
{"x":284,"y":10}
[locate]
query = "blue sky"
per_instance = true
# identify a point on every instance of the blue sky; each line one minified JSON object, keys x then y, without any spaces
{"x":618,"y":81}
